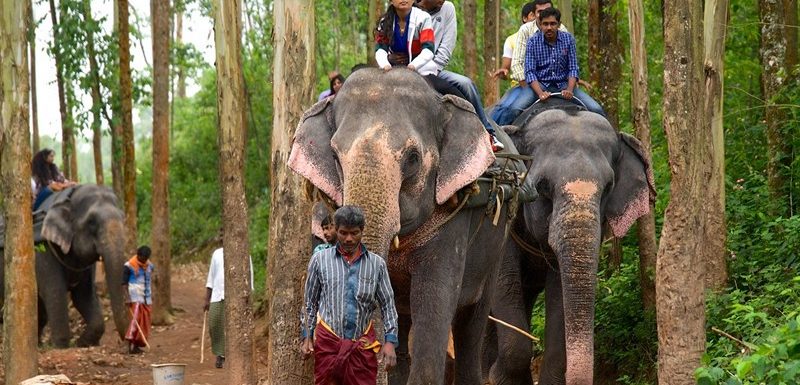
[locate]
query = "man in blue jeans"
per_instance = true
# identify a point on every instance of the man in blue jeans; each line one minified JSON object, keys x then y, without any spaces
{"x":443,"y":16}
{"x":551,"y":62}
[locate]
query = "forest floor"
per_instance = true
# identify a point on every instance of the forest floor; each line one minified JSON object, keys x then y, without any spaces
{"x":177,"y":343}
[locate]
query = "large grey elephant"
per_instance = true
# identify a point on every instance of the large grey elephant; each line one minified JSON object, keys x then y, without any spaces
{"x":391,"y":145}
{"x":587,"y":175}
{"x":82,"y":224}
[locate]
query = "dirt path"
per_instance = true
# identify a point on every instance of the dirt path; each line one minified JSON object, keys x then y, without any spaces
{"x":178,"y":343}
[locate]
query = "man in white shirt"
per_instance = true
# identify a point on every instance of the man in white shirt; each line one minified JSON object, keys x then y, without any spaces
{"x":215,"y":303}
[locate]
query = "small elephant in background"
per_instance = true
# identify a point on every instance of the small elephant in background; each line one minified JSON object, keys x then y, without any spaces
{"x":82,"y":224}
{"x":587,"y":176}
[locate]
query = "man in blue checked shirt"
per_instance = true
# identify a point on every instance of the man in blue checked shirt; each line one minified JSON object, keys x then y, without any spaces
{"x":551,"y":62}
{"x":343,"y":285}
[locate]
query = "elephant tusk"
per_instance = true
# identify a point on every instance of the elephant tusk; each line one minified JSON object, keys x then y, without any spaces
{"x":396,"y":242}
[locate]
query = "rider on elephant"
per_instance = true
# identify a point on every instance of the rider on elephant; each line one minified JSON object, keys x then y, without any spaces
{"x":46,"y":176}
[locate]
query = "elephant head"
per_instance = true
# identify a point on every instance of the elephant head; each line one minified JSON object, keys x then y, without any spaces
{"x":586,"y":175}
{"x":390,"y":144}
{"x":87,"y":225}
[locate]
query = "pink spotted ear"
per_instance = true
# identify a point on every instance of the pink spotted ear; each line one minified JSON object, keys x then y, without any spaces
{"x":465,"y":152}
{"x":312,"y":155}
{"x":634,"y":189}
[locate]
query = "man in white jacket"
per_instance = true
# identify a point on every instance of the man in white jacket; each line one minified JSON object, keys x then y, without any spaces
{"x":443,"y":16}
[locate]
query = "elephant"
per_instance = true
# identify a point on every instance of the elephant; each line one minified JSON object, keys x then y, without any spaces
{"x":587,"y":176}
{"x":387,"y":142}
{"x":81,"y":224}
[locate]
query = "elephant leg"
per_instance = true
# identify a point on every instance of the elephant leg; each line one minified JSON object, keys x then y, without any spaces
{"x":433,"y":303}
{"x":84,"y":297}
{"x":399,"y":375}
{"x":554,"y":364}
{"x":469,"y":327}
{"x":512,"y":305}
{"x":42,"y":313}
{"x":52,"y":284}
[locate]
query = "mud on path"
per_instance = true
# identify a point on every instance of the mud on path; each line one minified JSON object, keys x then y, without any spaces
{"x":177,"y":343}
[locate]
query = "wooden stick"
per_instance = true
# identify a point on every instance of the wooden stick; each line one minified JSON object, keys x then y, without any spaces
{"x":514,"y":328}
{"x":732,"y":338}
{"x":139,"y":329}
{"x":203,"y":336}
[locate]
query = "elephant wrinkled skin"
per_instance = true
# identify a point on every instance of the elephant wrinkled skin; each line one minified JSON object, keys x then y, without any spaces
{"x":78,"y":231}
{"x":391,"y":145}
{"x":587,"y":175}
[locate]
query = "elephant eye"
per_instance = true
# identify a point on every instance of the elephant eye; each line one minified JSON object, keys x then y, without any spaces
{"x":412,"y":163}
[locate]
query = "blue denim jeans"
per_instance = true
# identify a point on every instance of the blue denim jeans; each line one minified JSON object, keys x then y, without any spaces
{"x":588,"y":101}
{"x":470,"y":91}
{"x":512,"y":104}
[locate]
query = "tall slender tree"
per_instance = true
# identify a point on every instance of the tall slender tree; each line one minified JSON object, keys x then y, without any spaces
{"x":160,"y":241}
{"x":68,"y":152}
{"x":640,"y":111}
{"x":126,"y":103}
{"x":773,"y":78}
{"x":232,"y":126}
{"x":791,"y":30}
{"x":565,"y":6}
{"x":715,"y":23}
{"x":376,"y":9}
{"x":491,"y":49}
{"x":115,"y":121}
{"x":680,"y":305}
{"x":32,"y":49}
{"x":179,"y":10}
{"x":470,"y":44}
{"x":605,"y":53}
{"x":19,"y":312}
{"x":94,"y":75}
{"x":293,"y":88}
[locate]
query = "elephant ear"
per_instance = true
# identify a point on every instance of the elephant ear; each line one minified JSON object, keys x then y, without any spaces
{"x":465,"y":151}
{"x":634,"y":189}
{"x":312,"y":155}
{"x":58,"y":222}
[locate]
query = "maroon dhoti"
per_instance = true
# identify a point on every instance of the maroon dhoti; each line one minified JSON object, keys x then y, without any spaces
{"x":345,"y":362}
{"x":139,"y":328}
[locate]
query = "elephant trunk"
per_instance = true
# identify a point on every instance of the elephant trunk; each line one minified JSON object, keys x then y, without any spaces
{"x":112,"y":244}
{"x":373,"y":184}
{"x":575,"y":237}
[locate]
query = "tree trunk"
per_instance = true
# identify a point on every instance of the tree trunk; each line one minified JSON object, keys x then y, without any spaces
{"x":565,"y":6}
{"x":640,"y":112}
{"x":491,"y":49}
{"x":125,"y":89}
{"x":605,"y":53}
{"x":179,"y":43}
{"x":232,"y":125}
{"x":96,"y":97}
{"x":115,"y":124}
{"x":20,"y":310}
{"x":293,"y":92}
{"x":470,"y":11}
{"x":162,"y":303}
{"x":67,"y":138}
{"x":715,"y":21}
{"x":376,"y":9}
{"x":791,"y":31}
{"x":773,"y":78}
{"x":680,"y":304}
{"x":34,"y":106}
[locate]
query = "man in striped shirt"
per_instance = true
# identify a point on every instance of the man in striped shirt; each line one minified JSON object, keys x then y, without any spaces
{"x":343,"y":286}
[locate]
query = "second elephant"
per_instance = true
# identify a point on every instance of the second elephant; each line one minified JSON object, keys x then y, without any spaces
{"x":587,"y":176}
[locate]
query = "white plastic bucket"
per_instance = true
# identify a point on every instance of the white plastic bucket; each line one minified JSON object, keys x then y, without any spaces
{"x":168,"y":374}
